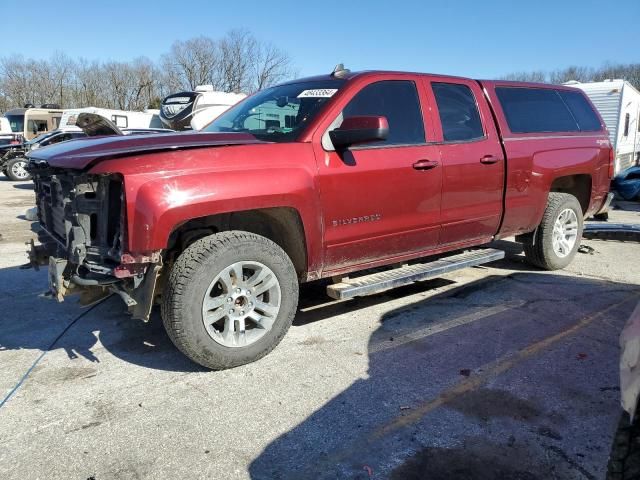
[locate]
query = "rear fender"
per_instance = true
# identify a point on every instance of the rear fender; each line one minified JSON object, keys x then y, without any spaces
{"x":529,"y":183}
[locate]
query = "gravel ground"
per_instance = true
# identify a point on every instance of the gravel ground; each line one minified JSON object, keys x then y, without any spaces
{"x":502,"y":371}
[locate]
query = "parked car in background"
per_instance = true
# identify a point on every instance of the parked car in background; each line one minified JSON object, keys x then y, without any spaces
{"x":194,"y":110}
{"x":13,"y":162}
{"x":31,"y":122}
{"x":317,"y":178}
{"x":619,"y":104}
{"x":9,"y":140}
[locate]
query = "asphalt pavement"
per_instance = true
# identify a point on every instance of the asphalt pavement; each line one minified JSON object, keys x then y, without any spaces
{"x":503,"y":371}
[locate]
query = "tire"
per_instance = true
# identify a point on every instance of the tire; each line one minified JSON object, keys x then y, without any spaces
{"x":541,"y":251}
{"x":15,"y":170}
{"x":624,"y":460}
{"x":220,"y":345}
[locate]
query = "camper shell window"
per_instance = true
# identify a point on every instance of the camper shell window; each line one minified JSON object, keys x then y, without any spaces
{"x":579,"y":107}
{"x":546,"y":110}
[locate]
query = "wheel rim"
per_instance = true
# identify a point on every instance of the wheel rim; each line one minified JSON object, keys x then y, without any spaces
{"x":19,"y":170}
{"x":565,"y":232}
{"x":241,"y":304}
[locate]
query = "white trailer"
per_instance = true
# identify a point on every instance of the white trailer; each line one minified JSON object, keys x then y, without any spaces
{"x":619,"y":105}
{"x":121,"y":118}
{"x":5,"y":126}
{"x":194,"y":110}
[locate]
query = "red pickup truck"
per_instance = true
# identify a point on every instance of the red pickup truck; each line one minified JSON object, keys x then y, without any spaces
{"x":317,"y":178}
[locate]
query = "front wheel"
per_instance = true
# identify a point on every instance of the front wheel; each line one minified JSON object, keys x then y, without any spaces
{"x":229,"y":299}
{"x":557,"y":238}
{"x":17,"y":170}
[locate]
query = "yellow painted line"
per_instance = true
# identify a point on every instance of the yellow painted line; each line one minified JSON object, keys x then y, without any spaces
{"x":490,"y":371}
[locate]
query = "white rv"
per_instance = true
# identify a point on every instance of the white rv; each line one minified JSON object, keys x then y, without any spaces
{"x":5,"y":126}
{"x":121,"y":118}
{"x":619,"y":105}
{"x":194,"y":110}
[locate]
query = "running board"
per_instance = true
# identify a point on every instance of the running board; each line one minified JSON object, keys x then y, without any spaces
{"x":378,"y":282}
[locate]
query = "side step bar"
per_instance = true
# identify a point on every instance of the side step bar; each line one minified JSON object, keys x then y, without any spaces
{"x":378,"y":282}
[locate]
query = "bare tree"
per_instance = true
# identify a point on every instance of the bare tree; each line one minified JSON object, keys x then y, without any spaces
{"x":629,"y":72}
{"x":580,"y":74}
{"x":534,"y":76}
{"x":237,"y":62}
{"x":88,"y":85}
{"x":270,"y":66}
{"x":238,"y":51}
{"x":191,"y":63}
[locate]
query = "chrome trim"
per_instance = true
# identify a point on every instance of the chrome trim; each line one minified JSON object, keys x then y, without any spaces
{"x":547,"y":137}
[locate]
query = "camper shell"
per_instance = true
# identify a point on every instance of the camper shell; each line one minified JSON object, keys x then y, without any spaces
{"x":619,"y":105}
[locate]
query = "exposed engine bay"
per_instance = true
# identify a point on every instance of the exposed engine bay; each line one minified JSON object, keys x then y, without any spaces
{"x":82,"y":232}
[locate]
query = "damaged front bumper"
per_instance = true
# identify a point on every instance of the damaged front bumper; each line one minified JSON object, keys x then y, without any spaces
{"x":81,"y":234}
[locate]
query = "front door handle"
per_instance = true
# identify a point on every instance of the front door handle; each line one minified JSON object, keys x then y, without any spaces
{"x":489,"y":159}
{"x":425,"y":164}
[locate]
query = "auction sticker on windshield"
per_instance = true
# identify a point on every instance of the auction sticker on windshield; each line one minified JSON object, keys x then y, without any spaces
{"x":318,"y":93}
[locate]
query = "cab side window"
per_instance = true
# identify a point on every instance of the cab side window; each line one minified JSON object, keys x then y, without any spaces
{"x":458,"y":111}
{"x":398,"y":101}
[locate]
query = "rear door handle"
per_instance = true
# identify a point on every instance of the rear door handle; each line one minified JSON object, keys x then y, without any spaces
{"x":425,"y":164}
{"x":489,"y":159}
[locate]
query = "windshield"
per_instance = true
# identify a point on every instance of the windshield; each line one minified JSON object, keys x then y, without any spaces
{"x":277,"y":114}
{"x":41,"y":137}
{"x":16,"y":122}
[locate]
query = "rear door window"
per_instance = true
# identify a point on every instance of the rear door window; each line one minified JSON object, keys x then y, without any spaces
{"x":458,"y":112}
{"x":398,"y":101}
{"x":535,"y":110}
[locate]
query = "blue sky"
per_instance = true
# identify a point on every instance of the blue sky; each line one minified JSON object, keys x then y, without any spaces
{"x":470,"y":38}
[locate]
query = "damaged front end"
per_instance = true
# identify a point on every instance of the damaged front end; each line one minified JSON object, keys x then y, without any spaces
{"x":82,"y":235}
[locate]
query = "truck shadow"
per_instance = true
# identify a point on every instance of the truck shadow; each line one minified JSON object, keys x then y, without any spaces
{"x":33,"y":321}
{"x":433,"y":407}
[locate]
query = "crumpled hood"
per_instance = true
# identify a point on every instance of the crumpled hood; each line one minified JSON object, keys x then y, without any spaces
{"x":82,"y":153}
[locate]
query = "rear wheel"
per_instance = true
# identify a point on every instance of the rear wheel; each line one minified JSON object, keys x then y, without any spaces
{"x":557,"y":238}
{"x":230,"y":298}
{"x":17,"y":170}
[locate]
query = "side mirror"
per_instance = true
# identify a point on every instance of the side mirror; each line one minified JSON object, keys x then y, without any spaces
{"x":361,"y":129}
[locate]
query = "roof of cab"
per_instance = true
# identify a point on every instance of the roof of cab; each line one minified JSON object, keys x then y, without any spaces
{"x":367,"y":73}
